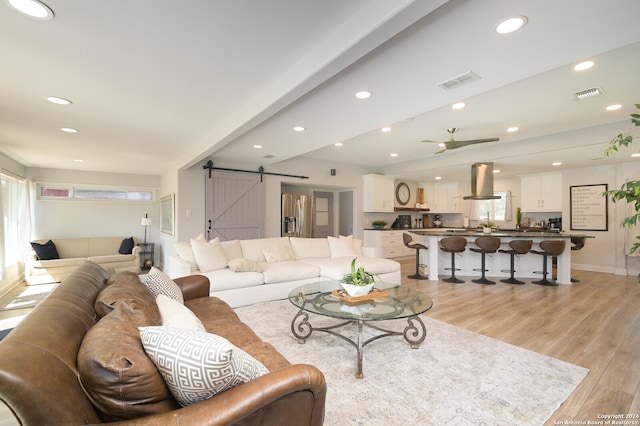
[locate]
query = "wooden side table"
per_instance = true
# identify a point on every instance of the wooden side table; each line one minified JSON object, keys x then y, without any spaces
{"x":146,"y":255}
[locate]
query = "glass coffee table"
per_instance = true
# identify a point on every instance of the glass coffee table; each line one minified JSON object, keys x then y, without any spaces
{"x":391,"y":302}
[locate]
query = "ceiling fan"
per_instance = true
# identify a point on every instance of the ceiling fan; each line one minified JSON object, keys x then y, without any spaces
{"x":453,"y":144}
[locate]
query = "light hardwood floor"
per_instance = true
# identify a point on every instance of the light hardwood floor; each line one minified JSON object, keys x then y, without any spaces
{"x":594,"y":323}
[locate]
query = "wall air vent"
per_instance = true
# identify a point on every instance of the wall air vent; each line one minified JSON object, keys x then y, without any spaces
{"x":459,"y":80}
{"x":588,"y":93}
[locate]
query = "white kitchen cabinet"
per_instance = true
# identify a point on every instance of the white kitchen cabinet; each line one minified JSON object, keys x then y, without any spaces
{"x":541,"y":192}
{"x":378,"y":193}
{"x":389,"y":244}
{"x":447,"y":198}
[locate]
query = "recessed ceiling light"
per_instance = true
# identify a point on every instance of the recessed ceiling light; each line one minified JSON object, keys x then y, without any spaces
{"x":59,"y":101}
{"x":257,"y":146}
{"x":614,"y":107}
{"x":69,"y":130}
{"x":438,"y":177}
{"x":496,"y":171}
{"x":557,"y":163}
{"x":338,"y":144}
{"x":509,"y":25}
{"x":394,"y":155}
{"x":363,"y":95}
{"x":458,"y":105}
{"x":386,"y":129}
{"x":637,"y":154}
{"x":79,"y":161}
{"x":33,"y":8}
{"x":583,"y":66}
{"x":299,"y":129}
{"x":513,"y":129}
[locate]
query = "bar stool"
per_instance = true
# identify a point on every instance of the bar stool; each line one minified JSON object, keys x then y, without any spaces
{"x":551,"y":248}
{"x":517,"y":247}
{"x":417,"y":247}
{"x":576,"y":244}
{"x":486,"y":245}
{"x":453,"y":245}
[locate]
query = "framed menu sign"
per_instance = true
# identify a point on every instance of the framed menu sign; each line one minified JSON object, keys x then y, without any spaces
{"x":589,"y":208}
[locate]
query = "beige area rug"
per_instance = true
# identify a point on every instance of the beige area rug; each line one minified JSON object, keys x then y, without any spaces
{"x":456,"y":377}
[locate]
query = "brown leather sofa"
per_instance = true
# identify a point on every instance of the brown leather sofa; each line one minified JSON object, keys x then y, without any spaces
{"x":41,"y":385}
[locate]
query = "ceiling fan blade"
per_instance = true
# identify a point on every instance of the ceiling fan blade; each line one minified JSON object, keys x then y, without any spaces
{"x":441,"y":151}
{"x":460,"y":144}
{"x":430,"y":141}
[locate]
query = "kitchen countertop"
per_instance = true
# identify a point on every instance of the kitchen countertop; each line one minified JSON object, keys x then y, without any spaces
{"x":474,"y":232}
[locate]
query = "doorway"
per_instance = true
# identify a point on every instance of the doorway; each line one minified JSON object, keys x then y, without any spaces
{"x":323,"y":214}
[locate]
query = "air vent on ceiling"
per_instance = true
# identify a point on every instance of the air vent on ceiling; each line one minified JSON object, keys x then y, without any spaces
{"x":268,"y":156}
{"x":459,"y":80}
{"x":588,"y":93}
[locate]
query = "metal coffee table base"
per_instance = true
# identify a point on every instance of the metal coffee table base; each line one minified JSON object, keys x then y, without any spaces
{"x":414,"y":333}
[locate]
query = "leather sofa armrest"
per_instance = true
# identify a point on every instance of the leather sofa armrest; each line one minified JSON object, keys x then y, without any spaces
{"x":263,"y":399}
{"x":193,"y":286}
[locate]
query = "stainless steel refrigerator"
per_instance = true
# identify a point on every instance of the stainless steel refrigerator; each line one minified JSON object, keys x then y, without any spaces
{"x":297,"y":215}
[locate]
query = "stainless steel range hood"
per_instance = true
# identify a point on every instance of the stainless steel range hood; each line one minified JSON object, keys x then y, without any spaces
{"x":481,"y":182}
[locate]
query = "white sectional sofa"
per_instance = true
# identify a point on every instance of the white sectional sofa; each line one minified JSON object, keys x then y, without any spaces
{"x":73,"y":252}
{"x":244,"y":272}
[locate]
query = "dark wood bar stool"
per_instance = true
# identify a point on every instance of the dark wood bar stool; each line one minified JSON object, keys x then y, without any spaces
{"x":576,"y":244}
{"x":549,"y":248}
{"x":417,"y":247}
{"x":485,"y":245}
{"x":453,"y":245}
{"x":517,"y":247}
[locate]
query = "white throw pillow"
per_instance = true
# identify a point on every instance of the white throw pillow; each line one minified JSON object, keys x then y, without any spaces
{"x":176,"y":315}
{"x":341,"y":247}
{"x":209,"y":255}
{"x":356,"y":244}
{"x":278,"y":253}
{"x":196,"y":366}
{"x":184,"y":251}
{"x":160,"y":283}
{"x":241,"y":264}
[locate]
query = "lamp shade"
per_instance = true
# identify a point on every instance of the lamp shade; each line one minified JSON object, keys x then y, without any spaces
{"x":146,"y":221}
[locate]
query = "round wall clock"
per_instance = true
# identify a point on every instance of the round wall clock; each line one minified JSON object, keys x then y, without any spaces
{"x":403,"y":193}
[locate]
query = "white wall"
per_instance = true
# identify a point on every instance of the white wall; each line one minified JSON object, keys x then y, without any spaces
{"x":606,"y":252}
{"x":79,"y":218}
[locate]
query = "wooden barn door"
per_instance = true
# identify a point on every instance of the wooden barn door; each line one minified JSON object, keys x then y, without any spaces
{"x":234,"y":206}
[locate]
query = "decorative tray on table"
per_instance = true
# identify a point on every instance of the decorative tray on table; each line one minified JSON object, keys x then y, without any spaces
{"x":373,"y":294}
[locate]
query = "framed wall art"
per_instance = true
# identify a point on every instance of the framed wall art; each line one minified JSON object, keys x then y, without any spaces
{"x":167,"y":214}
{"x":589,"y":208}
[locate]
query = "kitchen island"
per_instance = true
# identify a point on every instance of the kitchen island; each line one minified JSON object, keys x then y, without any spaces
{"x":526,"y":265}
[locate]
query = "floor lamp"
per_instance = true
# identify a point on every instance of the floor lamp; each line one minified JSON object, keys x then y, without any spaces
{"x":146,"y":221}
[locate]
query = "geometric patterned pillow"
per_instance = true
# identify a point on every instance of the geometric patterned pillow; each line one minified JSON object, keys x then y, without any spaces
{"x":159,"y":283}
{"x":196,"y":366}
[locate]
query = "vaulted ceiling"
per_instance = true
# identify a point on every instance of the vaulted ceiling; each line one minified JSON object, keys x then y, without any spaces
{"x":162,"y":84}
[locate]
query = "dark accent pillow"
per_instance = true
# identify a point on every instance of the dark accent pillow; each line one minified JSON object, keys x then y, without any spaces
{"x":114,"y":370}
{"x":127,"y":287}
{"x":126,"y":247}
{"x":46,"y":251}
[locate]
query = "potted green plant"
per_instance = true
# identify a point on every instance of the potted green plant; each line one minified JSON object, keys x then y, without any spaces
{"x":629,"y":191}
{"x":486,"y":227}
{"x":357,"y":283}
{"x":379,"y":224}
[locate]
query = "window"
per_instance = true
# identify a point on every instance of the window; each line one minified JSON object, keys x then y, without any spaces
{"x":13,"y":195}
{"x":62,"y":192}
{"x":497,"y":210}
